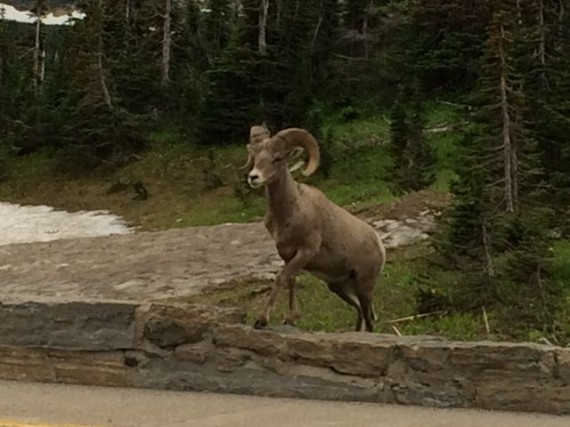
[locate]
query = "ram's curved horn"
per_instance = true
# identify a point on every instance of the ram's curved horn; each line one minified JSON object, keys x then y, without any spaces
{"x":257,"y":134}
{"x":296,"y":137}
{"x":248,"y":165}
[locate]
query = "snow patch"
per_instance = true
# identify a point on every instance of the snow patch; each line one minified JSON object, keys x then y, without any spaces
{"x":24,"y":224}
{"x":10,"y":13}
{"x":405,"y":232}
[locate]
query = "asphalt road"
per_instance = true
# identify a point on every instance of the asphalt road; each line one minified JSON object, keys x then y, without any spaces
{"x":43,"y":405}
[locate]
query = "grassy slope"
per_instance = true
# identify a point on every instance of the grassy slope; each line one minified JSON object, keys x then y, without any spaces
{"x":174,"y":173}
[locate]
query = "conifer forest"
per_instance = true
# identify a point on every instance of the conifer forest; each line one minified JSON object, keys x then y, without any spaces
{"x":462,"y":100}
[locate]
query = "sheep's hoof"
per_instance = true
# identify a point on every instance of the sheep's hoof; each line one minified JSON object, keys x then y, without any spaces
{"x":260,"y":324}
{"x":289,"y":321}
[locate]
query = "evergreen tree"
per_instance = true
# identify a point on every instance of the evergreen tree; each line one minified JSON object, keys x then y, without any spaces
{"x":546,"y":79}
{"x":15,"y":90}
{"x":412,"y":157}
{"x":326,"y":32}
{"x":189,"y":65}
{"x":98,"y":130}
{"x":133,"y":51}
{"x":497,"y":235}
{"x":218,"y":27}
{"x":248,"y":86}
{"x":438,"y":44}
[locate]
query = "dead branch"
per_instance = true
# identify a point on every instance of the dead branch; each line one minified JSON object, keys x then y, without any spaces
{"x":415,"y":316}
{"x":490,"y":263}
{"x":486,"y":320}
{"x":396,"y":331}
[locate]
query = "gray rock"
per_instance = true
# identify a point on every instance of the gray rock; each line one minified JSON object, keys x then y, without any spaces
{"x":206,"y":348}
{"x":83,"y":325}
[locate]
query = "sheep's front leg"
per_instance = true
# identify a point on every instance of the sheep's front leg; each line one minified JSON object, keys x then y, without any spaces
{"x":286,"y":277}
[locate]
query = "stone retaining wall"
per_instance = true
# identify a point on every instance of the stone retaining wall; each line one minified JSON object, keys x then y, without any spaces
{"x":206,"y":348}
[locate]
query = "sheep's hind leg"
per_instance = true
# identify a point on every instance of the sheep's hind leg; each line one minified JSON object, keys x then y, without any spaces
{"x":365,"y":299}
{"x":343,"y":290}
{"x":365,"y":281}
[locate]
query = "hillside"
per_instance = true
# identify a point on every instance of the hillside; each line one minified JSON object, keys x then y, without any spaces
{"x":144,"y":110}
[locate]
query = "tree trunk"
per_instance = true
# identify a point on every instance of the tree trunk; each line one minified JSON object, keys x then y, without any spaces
{"x":561,"y":13}
{"x":42,"y":67}
{"x":127,"y":11}
{"x":514,"y":162}
{"x":37,"y":53}
{"x":507,"y":143}
{"x":101,"y":71}
{"x":488,"y":257}
{"x":278,"y":14}
{"x":317,"y":28}
{"x":542,"y":46}
{"x":365,"y":29}
{"x":166,"y":43}
{"x":262,"y":37}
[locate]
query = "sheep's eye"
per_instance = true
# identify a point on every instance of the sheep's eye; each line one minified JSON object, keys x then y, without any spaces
{"x":277,"y":159}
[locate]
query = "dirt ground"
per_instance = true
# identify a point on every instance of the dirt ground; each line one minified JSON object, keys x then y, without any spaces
{"x":173,"y":263}
{"x":410,"y":206}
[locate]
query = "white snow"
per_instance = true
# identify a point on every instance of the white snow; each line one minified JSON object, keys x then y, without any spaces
{"x":12,"y":14}
{"x":23,"y":224}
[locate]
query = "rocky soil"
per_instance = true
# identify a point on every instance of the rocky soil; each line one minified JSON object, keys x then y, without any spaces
{"x":173,"y":263}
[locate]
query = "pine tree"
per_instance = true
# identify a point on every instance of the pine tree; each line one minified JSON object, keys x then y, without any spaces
{"x":546,"y":79}
{"x":443,"y":43}
{"x":132,"y":40}
{"x":189,"y":65}
{"x":98,"y":131}
{"x":325,"y":35}
{"x":15,"y":87}
{"x":411,"y":155}
{"x":273,"y":85}
{"x":218,"y":27}
{"x":497,"y":234}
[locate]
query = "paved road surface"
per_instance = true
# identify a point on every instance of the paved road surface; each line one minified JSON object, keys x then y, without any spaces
{"x":29,"y":404}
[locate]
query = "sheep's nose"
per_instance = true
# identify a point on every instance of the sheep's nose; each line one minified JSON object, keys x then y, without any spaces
{"x":253,"y":177}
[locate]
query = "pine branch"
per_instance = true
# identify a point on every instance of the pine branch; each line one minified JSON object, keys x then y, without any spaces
{"x":495,"y":183}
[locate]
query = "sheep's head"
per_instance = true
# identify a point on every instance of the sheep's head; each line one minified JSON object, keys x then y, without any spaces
{"x":270,"y":157}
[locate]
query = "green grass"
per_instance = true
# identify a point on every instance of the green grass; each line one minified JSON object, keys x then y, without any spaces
{"x":181,"y":195}
{"x":364,"y":132}
{"x":444,"y":143}
{"x":561,"y":263}
{"x":323,"y":311}
{"x":394,"y":299}
{"x":560,"y":275}
{"x":172,"y":171}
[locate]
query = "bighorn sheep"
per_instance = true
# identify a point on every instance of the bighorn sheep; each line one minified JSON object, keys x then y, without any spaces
{"x":311,"y":233}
